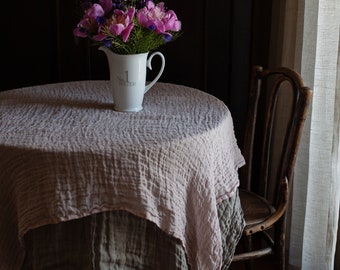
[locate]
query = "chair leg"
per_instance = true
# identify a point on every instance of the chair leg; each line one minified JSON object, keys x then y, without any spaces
{"x":280,"y":235}
{"x":248,"y":244}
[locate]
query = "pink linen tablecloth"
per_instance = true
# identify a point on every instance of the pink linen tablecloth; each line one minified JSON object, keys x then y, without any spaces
{"x":66,"y":154}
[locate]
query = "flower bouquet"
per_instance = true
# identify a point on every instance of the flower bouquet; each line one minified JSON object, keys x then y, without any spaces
{"x":128,"y":26}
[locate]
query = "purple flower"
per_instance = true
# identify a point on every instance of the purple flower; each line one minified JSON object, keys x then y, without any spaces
{"x":106,"y":5}
{"x":167,"y":37}
{"x":86,"y":27}
{"x":122,"y":23}
{"x":95,"y":11}
{"x":94,"y":16}
{"x":117,"y":4}
{"x":155,"y":17}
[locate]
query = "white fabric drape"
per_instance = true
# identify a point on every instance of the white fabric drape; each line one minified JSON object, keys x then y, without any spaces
{"x":312,"y":48}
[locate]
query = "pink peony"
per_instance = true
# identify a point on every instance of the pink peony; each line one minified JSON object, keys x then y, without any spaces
{"x":122,"y":23}
{"x":156,"y":18}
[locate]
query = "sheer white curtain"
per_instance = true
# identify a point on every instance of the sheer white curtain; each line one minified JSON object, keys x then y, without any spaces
{"x":310,"y":45}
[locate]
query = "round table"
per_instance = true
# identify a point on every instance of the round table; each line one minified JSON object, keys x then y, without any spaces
{"x":66,"y":154}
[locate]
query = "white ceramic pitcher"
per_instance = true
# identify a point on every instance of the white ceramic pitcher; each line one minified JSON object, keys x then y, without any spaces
{"x":128,"y":78}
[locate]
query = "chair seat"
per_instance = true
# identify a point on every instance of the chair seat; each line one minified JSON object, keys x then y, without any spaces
{"x":255,"y":208}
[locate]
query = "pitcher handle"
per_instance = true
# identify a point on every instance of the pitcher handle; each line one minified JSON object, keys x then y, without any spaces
{"x":148,"y":64}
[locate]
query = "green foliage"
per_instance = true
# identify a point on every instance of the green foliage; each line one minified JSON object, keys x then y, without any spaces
{"x":141,"y":40}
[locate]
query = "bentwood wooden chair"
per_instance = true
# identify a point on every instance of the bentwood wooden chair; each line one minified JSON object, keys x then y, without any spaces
{"x":277,"y":108}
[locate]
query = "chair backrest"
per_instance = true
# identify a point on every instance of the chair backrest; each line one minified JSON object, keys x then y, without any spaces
{"x":277,"y":108}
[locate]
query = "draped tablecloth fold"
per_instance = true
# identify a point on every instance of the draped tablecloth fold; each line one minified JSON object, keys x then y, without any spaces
{"x":65,"y":154}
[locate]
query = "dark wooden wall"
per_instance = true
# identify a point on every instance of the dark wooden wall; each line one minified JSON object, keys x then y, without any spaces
{"x":222,"y":39}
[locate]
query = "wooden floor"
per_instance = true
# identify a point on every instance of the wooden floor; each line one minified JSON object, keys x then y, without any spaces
{"x":266,"y":263}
